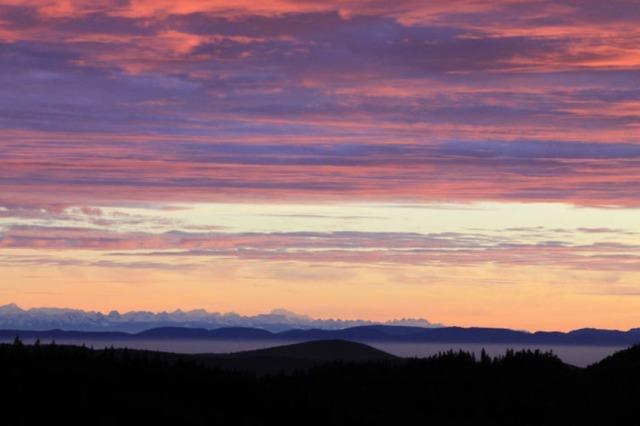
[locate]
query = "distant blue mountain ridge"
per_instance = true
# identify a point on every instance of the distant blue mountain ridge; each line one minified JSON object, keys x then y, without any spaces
{"x":363,"y":334}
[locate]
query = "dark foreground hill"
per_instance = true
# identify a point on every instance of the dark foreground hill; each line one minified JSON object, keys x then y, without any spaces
{"x":627,"y":360}
{"x":49,"y":384}
{"x":321,"y":351}
{"x":288,"y":358}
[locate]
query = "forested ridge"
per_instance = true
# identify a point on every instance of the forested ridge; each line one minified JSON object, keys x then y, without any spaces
{"x":45,"y":383}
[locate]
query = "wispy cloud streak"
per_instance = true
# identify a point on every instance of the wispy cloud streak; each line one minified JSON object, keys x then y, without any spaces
{"x":450,"y":248}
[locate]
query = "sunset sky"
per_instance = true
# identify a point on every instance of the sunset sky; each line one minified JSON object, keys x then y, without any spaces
{"x":468,"y":162}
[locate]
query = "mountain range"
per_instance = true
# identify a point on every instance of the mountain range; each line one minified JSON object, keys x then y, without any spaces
{"x":368,"y":333}
{"x":278,"y":325}
{"x":14,"y":317}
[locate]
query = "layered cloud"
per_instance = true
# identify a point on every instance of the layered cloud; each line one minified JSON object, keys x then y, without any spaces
{"x":130,"y":170}
{"x":110,"y":101}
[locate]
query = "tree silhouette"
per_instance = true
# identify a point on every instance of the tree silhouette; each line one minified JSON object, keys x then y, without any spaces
{"x":47,"y":383}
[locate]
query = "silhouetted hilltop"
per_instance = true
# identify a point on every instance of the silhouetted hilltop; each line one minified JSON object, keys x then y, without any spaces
{"x":627,"y":361}
{"x":299,"y":356}
{"x":370,"y":333}
{"x":321,"y":351}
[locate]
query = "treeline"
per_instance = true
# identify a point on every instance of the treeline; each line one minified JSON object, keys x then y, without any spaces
{"x":47,"y":384}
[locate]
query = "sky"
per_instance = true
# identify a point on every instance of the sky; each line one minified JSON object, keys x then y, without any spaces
{"x":468,"y":162}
